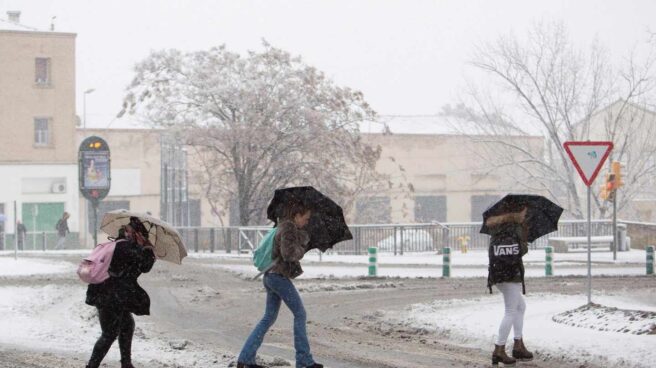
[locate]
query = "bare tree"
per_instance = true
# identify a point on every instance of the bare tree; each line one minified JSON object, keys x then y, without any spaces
{"x":545,"y":86}
{"x":256,"y":123}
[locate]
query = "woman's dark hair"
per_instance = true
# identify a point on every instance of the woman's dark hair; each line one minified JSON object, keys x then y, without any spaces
{"x":293,"y":208}
{"x":121,"y":234}
{"x":508,"y":233}
{"x":138,"y":226}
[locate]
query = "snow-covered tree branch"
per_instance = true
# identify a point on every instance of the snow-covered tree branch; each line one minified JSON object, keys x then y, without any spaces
{"x":543,"y":85}
{"x":258,"y":122}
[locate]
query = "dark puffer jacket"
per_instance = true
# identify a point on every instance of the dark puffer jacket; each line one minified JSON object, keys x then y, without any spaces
{"x":289,"y":247}
{"x":121,"y":290}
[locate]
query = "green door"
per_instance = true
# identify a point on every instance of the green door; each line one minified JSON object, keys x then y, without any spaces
{"x":42,"y":216}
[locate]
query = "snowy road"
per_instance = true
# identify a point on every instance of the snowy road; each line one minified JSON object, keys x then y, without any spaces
{"x":45,"y":323}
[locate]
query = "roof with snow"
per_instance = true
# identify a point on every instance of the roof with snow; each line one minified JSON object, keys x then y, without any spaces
{"x":424,"y":125}
{"x":414,"y":124}
{"x":7,"y":25}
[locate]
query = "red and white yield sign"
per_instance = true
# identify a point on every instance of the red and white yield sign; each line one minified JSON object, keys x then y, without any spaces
{"x":588,"y":157}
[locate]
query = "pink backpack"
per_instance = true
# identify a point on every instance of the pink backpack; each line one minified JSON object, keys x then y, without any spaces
{"x":94,"y":269}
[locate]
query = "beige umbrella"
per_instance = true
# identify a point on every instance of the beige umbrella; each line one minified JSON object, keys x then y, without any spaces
{"x":165,"y":239}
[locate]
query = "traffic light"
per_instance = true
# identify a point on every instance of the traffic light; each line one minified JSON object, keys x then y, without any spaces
{"x":616,"y":168}
{"x":607,"y":187}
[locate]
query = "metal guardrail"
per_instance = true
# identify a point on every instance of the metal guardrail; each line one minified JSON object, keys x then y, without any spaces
{"x":396,"y":239}
{"x":33,"y":240}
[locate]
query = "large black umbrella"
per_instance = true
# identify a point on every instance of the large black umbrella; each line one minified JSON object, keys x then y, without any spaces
{"x":541,"y":217}
{"x":326,"y":227}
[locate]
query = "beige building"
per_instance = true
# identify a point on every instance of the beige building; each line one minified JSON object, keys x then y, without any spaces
{"x":451,"y":181}
{"x":37,"y":101}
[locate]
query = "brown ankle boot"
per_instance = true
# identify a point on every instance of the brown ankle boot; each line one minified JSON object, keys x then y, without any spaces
{"x":499,"y":356}
{"x":520,"y":352}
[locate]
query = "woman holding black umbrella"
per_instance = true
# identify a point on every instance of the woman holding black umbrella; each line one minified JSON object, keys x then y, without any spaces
{"x":506,"y":270}
{"x":290,"y":245}
{"x":513,"y":222}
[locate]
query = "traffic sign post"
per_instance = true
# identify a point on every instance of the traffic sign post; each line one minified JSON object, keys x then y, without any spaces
{"x":94,"y":174}
{"x":588,"y":158}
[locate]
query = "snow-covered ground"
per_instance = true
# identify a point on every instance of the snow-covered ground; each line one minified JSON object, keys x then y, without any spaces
{"x":30,"y":266}
{"x":54,"y":318}
{"x":475,"y":322}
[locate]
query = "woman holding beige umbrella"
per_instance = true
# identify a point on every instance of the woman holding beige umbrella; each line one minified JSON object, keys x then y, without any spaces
{"x":140,"y":239}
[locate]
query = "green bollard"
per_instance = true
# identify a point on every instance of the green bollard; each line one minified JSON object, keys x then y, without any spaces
{"x":650,"y":260}
{"x":548,"y":264}
{"x":446,"y":262}
{"x":373,"y":261}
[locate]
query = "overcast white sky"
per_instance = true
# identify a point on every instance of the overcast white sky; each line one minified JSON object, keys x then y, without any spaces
{"x":407,"y":56}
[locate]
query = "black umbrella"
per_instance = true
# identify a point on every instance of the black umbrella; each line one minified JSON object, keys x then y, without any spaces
{"x":541,"y":214}
{"x":326,"y":227}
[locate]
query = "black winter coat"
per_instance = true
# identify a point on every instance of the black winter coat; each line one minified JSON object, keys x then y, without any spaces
{"x":121,"y":290}
{"x":62,"y":227}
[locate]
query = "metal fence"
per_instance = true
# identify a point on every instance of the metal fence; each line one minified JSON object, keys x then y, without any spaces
{"x":394,"y":239}
{"x":39,"y":240}
{"x":390,"y":239}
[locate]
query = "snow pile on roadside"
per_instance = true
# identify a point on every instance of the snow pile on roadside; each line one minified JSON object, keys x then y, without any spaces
{"x":601,"y":318}
{"x":475,"y":322}
{"x":31,"y":266}
{"x":55,"y":318}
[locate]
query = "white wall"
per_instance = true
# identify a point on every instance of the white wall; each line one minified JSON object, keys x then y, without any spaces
{"x":125,"y":182}
{"x":15,"y":178}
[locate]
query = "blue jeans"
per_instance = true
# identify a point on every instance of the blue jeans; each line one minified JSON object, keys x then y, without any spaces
{"x":279,"y":288}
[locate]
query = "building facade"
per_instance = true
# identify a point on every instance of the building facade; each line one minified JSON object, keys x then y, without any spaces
{"x":38,"y":153}
{"x":450,"y":179}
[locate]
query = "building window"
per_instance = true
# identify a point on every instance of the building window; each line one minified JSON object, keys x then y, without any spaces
{"x":41,"y":131}
{"x":373,"y":210}
{"x":42,"y":71}
{"x":480,"y":203}
{"x":430,"y":208}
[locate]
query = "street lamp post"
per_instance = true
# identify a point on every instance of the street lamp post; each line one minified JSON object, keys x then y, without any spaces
{"x":84,"y":107}
{"x":84,"y":128}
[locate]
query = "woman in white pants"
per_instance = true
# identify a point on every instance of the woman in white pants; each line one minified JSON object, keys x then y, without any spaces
{"x":506,"y":271}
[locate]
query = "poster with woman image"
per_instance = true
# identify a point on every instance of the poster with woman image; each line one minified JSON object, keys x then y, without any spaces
{"x":96,"y":171}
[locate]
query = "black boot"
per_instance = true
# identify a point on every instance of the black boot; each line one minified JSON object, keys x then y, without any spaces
{"x":520,"y":352}
{"x":315,"y":365}
{"x":499,"y":356}
{"x":244,"y":365}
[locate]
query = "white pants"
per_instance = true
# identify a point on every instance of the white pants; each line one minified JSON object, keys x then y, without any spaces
{"x":514,"y":314}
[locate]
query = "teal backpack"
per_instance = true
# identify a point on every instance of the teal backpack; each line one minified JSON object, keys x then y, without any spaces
{"x":263,"y":255}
